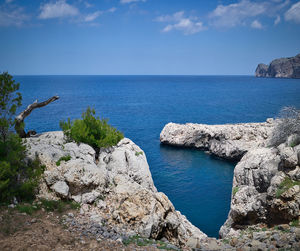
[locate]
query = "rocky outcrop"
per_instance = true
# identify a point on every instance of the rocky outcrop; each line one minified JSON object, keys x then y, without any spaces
{"x":265,"y":188}
{"x":280,"y":68}
{"x":117,"y":188}
{"x":266,"y":182}
{"x":229,"y":141}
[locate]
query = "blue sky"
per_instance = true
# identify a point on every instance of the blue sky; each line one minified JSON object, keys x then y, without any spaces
{"x":112,"y":37}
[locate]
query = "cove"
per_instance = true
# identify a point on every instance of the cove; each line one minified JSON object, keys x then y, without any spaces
{"x":198,"y":184}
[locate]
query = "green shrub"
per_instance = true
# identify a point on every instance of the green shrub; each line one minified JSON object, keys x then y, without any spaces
{"x":91,"y":130}
{"x":64,"y":158}
{"x":58,"y":205}
{"x":27,"y":208}
{"x":141,"y":242}
{"x":10,"y":100}
{"x":285,"y":185}
{"x":138,"y":153}
{"x":18,"y":177}
{"x":235,"y":190}
{"x":294,"y":223}
{"x":293,"y":144}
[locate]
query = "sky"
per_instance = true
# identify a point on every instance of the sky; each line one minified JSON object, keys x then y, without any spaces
{"x":145,"y":37}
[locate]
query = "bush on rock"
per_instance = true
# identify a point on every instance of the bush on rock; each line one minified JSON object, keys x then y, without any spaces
{"x":287,"y":125}
{"x":91,"y":130}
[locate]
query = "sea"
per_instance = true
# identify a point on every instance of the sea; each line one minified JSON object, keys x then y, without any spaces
{"x":198,"y":184}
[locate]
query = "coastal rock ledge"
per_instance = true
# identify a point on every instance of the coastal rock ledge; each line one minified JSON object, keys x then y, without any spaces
{"x":116,"y":189}
{"x":229,"y":141}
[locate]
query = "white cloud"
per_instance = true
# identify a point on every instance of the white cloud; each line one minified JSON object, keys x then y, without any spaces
{"x":131,"y":1}
{"x":12,"y":16}
{"x":57,"y":9}
{"x":92,"y":16}
{"x":256,"y":24}
{"x":171,"y":18}
{"x":112,"y":10}
{"x":293,"y":14}
{"x":9,"y":1}
{"x":277,"y":20}
{"x":188,"y":25}
{"x":245,"y":12}
{"x":88,"y":5}
{"x":236,"y":14}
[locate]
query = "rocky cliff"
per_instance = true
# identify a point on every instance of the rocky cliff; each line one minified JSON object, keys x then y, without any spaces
{"x":265,"y":188}
{"x":117,"y":188}
{"x":280,"y":68}
{"x":266,"y":182}
{"x":230,"y":141}
{"x":118,"y":197}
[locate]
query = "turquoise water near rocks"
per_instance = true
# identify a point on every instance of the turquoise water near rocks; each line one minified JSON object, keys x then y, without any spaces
{"x":198,"y":185}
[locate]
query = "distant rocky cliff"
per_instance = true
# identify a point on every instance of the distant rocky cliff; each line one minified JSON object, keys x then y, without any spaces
{"x":280,"y":68}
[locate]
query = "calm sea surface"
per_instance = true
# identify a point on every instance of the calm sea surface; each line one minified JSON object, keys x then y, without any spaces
{"x":198,"y":185}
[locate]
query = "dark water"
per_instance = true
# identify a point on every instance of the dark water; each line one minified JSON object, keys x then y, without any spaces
{"x":197,"y":184}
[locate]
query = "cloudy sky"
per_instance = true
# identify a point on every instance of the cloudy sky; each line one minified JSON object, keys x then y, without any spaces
{"x":111,"y":37}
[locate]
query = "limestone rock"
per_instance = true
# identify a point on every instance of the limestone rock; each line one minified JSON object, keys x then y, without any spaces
{"x":61,"y":188}
{"x":266,"y":179}
{"x":261,"y":70}
{"x":117,"y":188}
{"x":267,"y":192}
{"x":127,"y":159}
{"x":280,"y":68}
{"x":229,"y":141}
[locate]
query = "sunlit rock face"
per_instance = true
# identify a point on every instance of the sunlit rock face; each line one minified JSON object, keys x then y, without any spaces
{"x":229,"y":141}
{"x":117,"y":187}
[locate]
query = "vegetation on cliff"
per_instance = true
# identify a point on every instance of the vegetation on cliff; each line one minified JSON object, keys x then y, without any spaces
{"x":286,"y":125}
{"x":91,"y":130}
{"x":18,"y":176}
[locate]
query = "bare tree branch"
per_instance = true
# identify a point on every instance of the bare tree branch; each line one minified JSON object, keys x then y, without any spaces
{"x":19,"y":125}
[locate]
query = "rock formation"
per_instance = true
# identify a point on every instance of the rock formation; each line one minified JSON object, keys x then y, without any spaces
{"x":117,"y":188}
{"x":266,"y":182}
{"x":230,"y":141}
{"x":280,"y":68}
{"x":266,"y":188}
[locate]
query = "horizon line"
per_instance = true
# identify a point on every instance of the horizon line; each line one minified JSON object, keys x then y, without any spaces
{"x":113,"y":75}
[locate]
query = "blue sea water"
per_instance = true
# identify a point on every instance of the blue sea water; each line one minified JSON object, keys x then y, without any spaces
{"x":198,"y":185}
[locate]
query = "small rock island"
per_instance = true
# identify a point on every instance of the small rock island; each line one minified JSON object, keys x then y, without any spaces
{"x":280,"y":68}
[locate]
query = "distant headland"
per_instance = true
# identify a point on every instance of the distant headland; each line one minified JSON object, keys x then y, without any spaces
{"x":280,"y":68}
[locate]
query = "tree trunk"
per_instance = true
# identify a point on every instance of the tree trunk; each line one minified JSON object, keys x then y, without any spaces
{"x":19,"y":120}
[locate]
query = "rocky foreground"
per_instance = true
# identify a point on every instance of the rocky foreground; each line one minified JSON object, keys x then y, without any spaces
{"x":119,"y":200}
{"x":265,"y":204}
{"x":280,"y":68}
{"x":115,"y":190}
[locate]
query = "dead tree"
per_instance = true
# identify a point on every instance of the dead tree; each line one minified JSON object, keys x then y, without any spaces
{"x":19,"y":120}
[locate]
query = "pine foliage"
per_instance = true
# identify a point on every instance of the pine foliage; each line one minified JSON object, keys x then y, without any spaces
{"x":91,"y":130}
